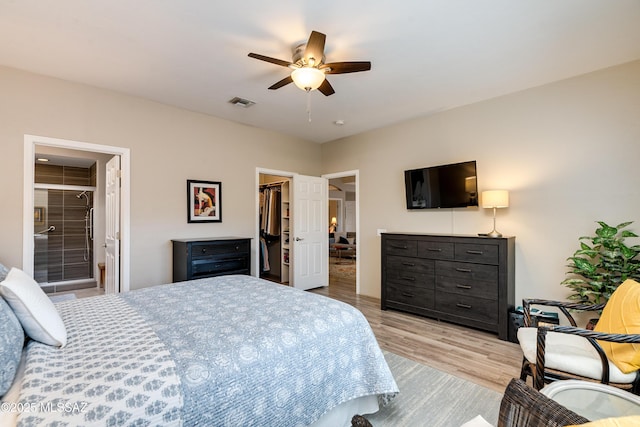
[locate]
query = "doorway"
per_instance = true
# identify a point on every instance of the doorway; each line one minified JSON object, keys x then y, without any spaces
{"x":303,"y":243}
{"x":344,"y":225}
{"x":66,"y":148}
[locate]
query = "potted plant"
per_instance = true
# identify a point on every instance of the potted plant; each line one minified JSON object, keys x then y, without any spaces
{"x":602,"y":264}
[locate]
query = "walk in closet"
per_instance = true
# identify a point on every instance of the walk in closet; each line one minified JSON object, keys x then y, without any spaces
{"x":274,"y":228}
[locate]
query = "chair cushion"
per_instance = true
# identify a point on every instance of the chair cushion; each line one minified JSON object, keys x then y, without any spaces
{"x":621,"y":315}
{"x":569,"y":353}
{"x":630,"y":421}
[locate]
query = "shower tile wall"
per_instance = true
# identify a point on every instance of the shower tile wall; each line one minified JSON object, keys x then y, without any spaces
{"x":66,"y":245}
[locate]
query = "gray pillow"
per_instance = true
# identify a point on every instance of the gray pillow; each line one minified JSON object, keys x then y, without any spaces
{"x":11,"y":343}
{"x":3,"y":272}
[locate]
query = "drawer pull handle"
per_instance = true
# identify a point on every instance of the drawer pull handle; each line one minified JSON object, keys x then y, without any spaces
{"x":412,"y":279}
{"x":204,"y":250}
{"x":434,"y":249}
{"x":398,"y":247}
{"x":463,"y":286}
{"x":407,"y":294}
{"x":474,"y":252}
{"x":409,"y":264}
{"x":463,"y":270}
{"x":463,"y":306}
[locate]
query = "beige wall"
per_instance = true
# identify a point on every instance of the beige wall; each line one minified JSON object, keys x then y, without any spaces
{"x":168,"y":146}
{"x":569,"y":152}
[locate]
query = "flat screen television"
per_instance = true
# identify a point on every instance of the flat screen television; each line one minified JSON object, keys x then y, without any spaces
{"x":444,"y":186}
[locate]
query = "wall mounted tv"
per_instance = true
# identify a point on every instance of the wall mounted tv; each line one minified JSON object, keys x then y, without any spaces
{"x":444,"y":186}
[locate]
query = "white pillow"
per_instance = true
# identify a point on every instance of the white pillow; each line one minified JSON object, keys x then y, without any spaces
{"x":33,"y":308}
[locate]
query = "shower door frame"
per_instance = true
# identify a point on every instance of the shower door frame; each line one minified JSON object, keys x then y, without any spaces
{"x":30,"y":143}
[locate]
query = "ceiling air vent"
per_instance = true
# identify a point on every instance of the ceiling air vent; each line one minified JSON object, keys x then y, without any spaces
{"x":241,"y":102}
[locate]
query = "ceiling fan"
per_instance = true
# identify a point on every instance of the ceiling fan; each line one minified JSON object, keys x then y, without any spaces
{"x":309,"y":68}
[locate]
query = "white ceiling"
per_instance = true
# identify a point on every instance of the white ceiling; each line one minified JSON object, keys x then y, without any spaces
{"x":426,"y":55}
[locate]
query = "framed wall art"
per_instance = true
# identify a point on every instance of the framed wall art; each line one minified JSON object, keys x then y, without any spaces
{"x":204,"y":201}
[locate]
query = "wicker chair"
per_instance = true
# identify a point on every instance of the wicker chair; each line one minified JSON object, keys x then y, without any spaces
{"x":536,"y":350}
{"x":522,"y":406}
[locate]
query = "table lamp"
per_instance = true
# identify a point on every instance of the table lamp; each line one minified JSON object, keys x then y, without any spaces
{"x":495,"y":199}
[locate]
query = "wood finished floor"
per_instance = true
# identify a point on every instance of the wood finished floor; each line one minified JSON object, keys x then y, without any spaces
{"x":467,"y":353}
{"x":474,"y":355}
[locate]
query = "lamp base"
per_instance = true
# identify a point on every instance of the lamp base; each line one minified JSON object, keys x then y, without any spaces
{"x":494,"y":233}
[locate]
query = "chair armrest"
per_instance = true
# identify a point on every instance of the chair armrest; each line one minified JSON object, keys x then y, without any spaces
{"x":590,"y":335}
{"x":564,"y":307}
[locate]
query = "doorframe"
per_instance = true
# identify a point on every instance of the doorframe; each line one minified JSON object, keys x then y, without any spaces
{"x":30,"y":143}
{"x":360,"y":248}
{"x":256,"y":250}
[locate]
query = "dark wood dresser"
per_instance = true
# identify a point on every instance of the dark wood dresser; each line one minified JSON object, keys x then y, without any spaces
{"x":208,"y":257}
{"x":467,"y":280}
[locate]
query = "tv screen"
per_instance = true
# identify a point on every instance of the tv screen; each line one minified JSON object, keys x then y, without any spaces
{"x":445,"y":186}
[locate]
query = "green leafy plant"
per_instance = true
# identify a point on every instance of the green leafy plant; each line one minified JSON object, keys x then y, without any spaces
{"x":598,"y":268}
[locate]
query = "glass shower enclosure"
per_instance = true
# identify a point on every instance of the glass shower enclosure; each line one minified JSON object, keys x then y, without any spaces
{"x":63,"y":236}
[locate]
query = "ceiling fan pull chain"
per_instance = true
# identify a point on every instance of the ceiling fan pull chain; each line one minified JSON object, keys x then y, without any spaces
{"x":309,"y":105}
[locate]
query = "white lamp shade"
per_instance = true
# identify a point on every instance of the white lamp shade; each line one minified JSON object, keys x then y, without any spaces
{"x":334,"y":220}
{"x":307,"y":78}
{"x":495,"y":199}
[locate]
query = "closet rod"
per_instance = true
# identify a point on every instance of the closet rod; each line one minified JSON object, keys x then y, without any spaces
{"x":273,"y":184}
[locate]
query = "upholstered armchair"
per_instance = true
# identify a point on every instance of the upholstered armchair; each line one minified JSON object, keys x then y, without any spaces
{"x":608,"y":354}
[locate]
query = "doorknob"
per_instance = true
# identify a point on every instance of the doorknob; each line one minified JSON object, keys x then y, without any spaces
{"x":298,"y":239}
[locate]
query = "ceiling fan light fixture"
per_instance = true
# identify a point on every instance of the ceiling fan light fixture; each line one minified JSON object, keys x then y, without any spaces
{"x":307,"y":78}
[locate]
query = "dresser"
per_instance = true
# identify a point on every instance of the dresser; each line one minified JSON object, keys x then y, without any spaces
{"x":467,"y":280}
{"x":208,"y":257}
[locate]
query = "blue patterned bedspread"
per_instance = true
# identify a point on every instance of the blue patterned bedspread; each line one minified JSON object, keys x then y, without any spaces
{"x":253,"y":353}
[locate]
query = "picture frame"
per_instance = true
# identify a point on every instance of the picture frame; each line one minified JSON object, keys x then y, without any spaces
{"x":204,"y":201}
{"x":38,"y":215}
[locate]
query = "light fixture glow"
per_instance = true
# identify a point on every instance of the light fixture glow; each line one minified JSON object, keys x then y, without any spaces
{"x":493,"y":199}
{"x":42,"y":159}
{"x":307,"y":78}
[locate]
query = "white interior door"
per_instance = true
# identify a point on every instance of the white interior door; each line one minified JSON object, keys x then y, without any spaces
{"x":310,"y":232}
{"x":112,"y":220}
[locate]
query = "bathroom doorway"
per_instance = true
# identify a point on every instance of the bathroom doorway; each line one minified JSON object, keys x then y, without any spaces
{"x":64,"y":217}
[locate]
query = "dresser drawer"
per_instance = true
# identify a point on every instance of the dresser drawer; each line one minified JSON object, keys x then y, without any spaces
{"x":480,"y":309}
{"x":485,"y":254}
{"x":207,"y":268}
{"x":411,"y":278}
{"x":418,"y":265}
{"x":203,"y":250}
{"x":435,"y":250}
{"x":421,"y":297}
{"x":466,"y":286}
{"x":401,"y":247}
{"x":465,"y":270}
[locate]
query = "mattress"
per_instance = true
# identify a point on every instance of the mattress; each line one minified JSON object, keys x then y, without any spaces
{"x":224,"y":351}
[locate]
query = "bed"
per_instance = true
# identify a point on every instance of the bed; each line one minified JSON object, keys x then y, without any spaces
{"x":224,"y":351}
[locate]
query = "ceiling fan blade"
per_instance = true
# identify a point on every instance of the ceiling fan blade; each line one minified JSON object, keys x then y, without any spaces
{"x":326,"y":88}
{"x":346,"y":67}
{"x":315,"y":47}
{"x":269,"y":59}
{"x":281,"y":83}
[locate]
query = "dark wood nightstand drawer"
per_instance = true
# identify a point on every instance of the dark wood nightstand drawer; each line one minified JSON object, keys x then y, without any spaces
{"x":435,"y":250}
{"x":465,"y":286}
{"x":466,"y":270}
{"x":395,"y":262}
{"x":422,"y":297}
{"x":401,"y":247}
{"x":483,"y":310}
{"x":207,"y":268}
{"x":201,"y":250}
{"x":485,"y":254}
